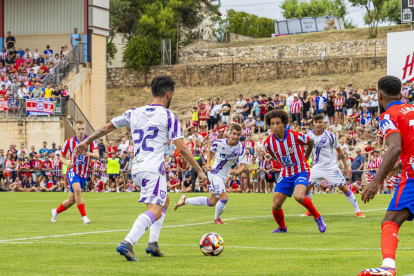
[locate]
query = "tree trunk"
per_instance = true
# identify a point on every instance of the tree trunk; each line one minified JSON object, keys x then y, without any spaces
{"x":178,"y":40}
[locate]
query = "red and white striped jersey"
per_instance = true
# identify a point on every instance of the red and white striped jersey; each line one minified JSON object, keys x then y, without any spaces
{"x":246,"y":131}
{"x":202,"y":150}
{"x":80,"y":163}
{"x":339,"y":102}
{"x":213,"y":137}
{"x":96,"y":165}
{"x":295,"y":107}
{"x":248,"y":144}
{"x":289,"y":152}
{"x":47,"y":165}
{"x":104,"y":168}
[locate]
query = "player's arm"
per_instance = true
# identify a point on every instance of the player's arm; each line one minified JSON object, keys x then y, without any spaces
{"x":83,"y":146}
{"x":241,"y":168}
{"x":309,"y":148}
{"x":396,"y":169}
{"x":390,"y":158}
{"x":210,"y":155}
{"x":188,"y":156}
{"x":64,"y":161}
{"x":94,"y":154}
{"x":342,"y":157}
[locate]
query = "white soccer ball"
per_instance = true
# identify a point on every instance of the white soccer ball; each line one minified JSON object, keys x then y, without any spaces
{"x":211,"y":244}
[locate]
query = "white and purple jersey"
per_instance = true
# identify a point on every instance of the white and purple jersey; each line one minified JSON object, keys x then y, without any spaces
{"x":152,"y":126}
{"x":226,"y":157}
{"x":323,"y":149}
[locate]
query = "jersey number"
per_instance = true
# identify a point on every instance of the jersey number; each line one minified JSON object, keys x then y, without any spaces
{"x":143,"y":139}
{"x":411,"y":122}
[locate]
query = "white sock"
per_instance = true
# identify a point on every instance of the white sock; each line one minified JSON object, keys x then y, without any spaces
{"x":141,"y":224}
{"x":351,"y":198}
{"x":117,"y":189}
{"x":198,"y":201}
{"x":309,"y":194}
{"x":388,"y":262}
{"x":155,"y":228}
{"x":220,"y":208}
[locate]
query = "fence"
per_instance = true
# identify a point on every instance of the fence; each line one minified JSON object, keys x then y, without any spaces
{"x":73,"y":60}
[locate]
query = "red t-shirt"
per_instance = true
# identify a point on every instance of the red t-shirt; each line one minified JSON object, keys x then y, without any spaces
{"x":204,"y":134}
{"x":371,"y":149}
{"x":263,"y":108}
{"x":3,"y":92}
{"x":110,"y":150}
{"x":203,"y":116}
{"x":47,"y":165}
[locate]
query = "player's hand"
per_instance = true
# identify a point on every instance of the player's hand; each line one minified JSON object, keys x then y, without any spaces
{"x":208,"y":168}
{"x":369,"y":192}
{"x":202,"y":179}
{"x":234,"y":172}
{"x":81,"y":147}
{"x":348,"y":172}
{"x":70,"y":166}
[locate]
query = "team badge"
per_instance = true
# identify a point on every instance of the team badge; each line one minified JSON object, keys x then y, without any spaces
{"x":163,"y":194}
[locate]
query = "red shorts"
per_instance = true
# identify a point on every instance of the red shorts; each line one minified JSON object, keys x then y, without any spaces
{"x":195,"y":123}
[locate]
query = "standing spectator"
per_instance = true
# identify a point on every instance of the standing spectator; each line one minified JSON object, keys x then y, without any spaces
{"x":320,"y":103}
{"x":247,"y":109}
{"x":10,"y":41}
{"x":330,"y":109}
{"x":56,"y":94}
{"x":357,"y":165}
{"x":289,"y":100}
{"x":44,"y":151}
{"x":365,"y":99}
{"x":262,"y":105}
{"x":226,"y":109}
{"x":208,"y":115}
{"x":202,"y":117}
{"x":124,"y":164}
{"x":296,"y":109}
{"x":374,"y":102}
{"x":101,"y":148}
{"x":75,"y":38}
{"x":351,"y":103}
{"x":22,"y":152}
{"x":357,"y":96}
{"x":194,"y":174}
{"x":306,"y":103}
{"x":339,"y":104}
{"x":124,"y":145}
{"x":48,"y":52}
{"x":2,"y":160}
{"x":240,"y":105}
{"x":201,"y":105}
{"x":48,"y":91}
{"x":256,"y":106}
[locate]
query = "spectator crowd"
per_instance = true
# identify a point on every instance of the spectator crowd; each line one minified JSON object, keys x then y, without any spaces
{"x":351,"y":114}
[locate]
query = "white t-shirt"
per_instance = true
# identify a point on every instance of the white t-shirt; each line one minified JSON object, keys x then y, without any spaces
{"x":364,"y":98}
{"x":123,"y":147}
{"x":152,"y":126}
{"x":289,"y":101}
{"x":334,"y":128}
{"x":374,"y":100}
{"x":240,"y":103}
{"x":226,"y":157}
{"x":323,"y":149}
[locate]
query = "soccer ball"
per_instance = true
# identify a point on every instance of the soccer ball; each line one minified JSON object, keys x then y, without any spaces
{"x":211,"y":244}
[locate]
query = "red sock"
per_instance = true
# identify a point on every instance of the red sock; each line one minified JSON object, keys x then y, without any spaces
{"x":279,"y":218}
{"x":389,"y":239}
{"x":307,"y":203}
{"x":60,"y":209}
{"x":81,"y":208}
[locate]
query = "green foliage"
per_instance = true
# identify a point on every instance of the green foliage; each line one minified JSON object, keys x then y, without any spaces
{"x":313,"y":8}
{"x":374,"y":8}
{"x":247,"y":24}
{"x":117,"y":9}
{"x":391,"y":12}
{"x":350,"y":23}
{"x":110,"y":51}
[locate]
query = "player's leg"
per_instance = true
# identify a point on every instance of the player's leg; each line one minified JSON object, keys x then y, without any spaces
{"x":277,"y":211}
{"x":63,"y":206}
{"x":220,"y":206}
{"x":155,"y":230}
{"x":351,"y":198}
{"x":77,"y":190}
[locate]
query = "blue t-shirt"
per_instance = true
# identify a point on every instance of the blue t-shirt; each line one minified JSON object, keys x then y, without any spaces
{"x":48,"y":52}
{"x":261,"y":123}
{"x":256,"y":107}
{"x":364,"y":121}
{"x":368,"y":114}
{"x":73,"y":37}
{"x":42,"y":150}
{"x":320,"y":102}
{"x":357,"y":162}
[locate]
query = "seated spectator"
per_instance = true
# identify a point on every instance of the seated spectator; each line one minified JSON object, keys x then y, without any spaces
{"x":40,"y":60}
{"x":369,"y":150}
{"x":48,"y":91}
{"x":56,"y":94}
{"x":250,"y":122}
{"x":233,"y":184}
{"x":48,"y":51}
{"x":30,"y":185}
{"x":36,"y":54}
{"x":259,"y":127}
{"x":17,"y":186}
{"x":365,"y":126}
{"x":186,"y":184}
{"x":56,"y":59}
{"x":28,"y":63}
{"x":18,"y":60}
{"x":65,"y":50}
{"x":27,"y":53}
{"x":351,"y":137}
{"x":336,"y":129}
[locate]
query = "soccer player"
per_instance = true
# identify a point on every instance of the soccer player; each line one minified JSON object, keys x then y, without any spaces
{"x":227,"y":154}
{"x":286,"y":146}
{"x":325,"y":165}
{"x":397,"y":125}
{"x":77,"y":170}
{"x":152,"y":126}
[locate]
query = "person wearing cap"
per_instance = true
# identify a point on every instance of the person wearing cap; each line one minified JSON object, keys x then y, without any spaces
{"x":250,"y":122}
{"x":296,"y":109}
{"x":240,"y":103}
{"x":191,"y":145}
{"x":247,"y":109}
{"x":201,"y":105}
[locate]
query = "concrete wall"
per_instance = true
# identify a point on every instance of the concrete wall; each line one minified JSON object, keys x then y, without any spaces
{"x":368,"y":47}
{"x":90,"y":88}
{"x":227,"y":73}
{"x":34,"y":131}
{"x":40,"y":41}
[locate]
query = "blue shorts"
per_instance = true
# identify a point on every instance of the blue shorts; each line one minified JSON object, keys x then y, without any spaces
{"x":403,"y":197}
{"x":286,"y":185}
{"x":75,"y":178}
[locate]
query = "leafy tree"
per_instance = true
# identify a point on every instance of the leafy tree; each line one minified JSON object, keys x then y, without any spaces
{"x":373,"y":9}
{"x":350,"y":23}
{"x":246,"y":24}
{"x":391,"y":12}
{"x":313,"y":8}
{"x":117,"y":9}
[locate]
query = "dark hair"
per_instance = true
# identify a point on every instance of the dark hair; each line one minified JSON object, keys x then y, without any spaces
{"x":390,"y":85}
{"x":317,"y":117}
{"x":161,"y":85}
{"x":263,"y":95}
{"x":197,"y":152}
{"x":236,"y":128}
{"x":277,"y":114}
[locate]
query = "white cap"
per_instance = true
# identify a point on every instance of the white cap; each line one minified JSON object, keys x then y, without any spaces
{"x":250,"y":116}
{"x":190,"y":138}
{"x":295,"y":95}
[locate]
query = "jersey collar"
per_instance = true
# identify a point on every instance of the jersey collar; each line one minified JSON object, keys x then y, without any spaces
{"x":76,"y":138}
{"x":394,"y":103}
{"x":284,"y":137}
{"x":156,"y":105}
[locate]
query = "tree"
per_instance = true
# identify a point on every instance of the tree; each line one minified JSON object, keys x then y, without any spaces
{"x":117,"y":9}
{"x":246,"y":24}
{"x":391,"y":12}
{"x":373,"y":9}
{"x":313,"y":8}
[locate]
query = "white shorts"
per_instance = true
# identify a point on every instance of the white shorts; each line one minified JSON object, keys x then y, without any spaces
{"x":217,"y":184}
{"x":153,"y":187}
{"x":349,"y":112}
{"x":333,"y":175}
{"x":104,"y":179}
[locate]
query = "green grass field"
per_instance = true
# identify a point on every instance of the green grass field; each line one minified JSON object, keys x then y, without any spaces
{"x":31,"y":245}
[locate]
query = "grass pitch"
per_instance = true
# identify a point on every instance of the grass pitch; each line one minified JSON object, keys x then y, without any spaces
{"x":31,"y":245}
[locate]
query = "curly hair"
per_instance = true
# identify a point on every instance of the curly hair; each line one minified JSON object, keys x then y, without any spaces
{"x":277,"y":114}
{"x":161,"y":85}
{"x":390,"y":85}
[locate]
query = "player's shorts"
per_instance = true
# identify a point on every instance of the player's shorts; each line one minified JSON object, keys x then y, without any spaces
{"x":104,"y":179}
{"x":333,"y":175}
{"x":195,"y":123}
{"x":403,"y":197}
{"x":153,"y":187}
{"x":75,"y":178}
{"x":217,"y":184}
{"x":286,"y":185}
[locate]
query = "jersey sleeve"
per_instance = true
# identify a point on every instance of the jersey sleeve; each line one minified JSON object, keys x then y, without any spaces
{"x":302,"y":139}
{"x":175,"y":130}
{"x":65,"y":148}
{"x":124,"y":120}
{"x":93,"y":146}
{"x":335,"y":142}
{"x":387,"y":125}
{"x":267,"y":146}
{"x":214,"y":147}
{"x":242,"y":156}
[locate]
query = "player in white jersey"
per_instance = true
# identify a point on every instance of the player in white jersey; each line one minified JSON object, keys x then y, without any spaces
{"x":229,"y":159}
{"x":325,"y":164}
{"x":152,"y":126}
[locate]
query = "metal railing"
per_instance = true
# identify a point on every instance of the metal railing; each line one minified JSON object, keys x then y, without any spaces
{"x":72,"y":61}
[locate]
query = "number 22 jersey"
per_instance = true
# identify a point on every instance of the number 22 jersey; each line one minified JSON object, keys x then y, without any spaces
{"x":152,"y":126}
